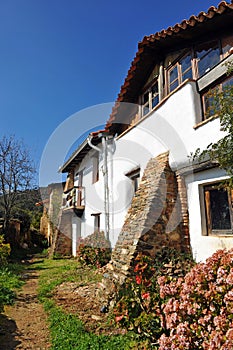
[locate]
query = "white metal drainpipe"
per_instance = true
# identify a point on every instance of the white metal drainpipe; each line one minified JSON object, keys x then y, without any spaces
{"x":105,"y":173}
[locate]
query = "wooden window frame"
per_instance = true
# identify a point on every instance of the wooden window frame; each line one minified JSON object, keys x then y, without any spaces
{"x":95,"y":168}
{"x":134,"y":176}
{"x":96,"y":222}
{"x":151,"y":96}
{"x":196,"y":60}
{"x":208,"y":213}
{"x":194,"y":63}
{"x":217,"y":86}
{"x":178,"y":65}
{"x":169,"y":82}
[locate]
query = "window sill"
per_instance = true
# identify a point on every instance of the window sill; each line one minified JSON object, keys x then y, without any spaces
{"x":222,"y":235}
{"x":203,"y":122}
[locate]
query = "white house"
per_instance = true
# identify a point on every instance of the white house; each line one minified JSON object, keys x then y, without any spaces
{"x":163,"y":106}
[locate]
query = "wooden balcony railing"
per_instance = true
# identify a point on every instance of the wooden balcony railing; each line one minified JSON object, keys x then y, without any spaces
{"x":75,"y":200}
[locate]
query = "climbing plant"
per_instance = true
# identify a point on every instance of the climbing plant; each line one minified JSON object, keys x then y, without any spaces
{"x":222,"y":106}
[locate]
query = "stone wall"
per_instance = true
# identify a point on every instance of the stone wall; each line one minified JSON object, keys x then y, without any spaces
{"x":157,"y":218}
{"x":14,"y":235}
{"x":44,"y":223}
{"x":53,"y":224}
{"x":62,"y":242}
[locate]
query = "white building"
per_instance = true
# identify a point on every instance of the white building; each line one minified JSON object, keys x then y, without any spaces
{"x":162,"y":106}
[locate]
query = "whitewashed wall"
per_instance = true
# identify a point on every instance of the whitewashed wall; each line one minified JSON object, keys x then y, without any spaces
{"x":171,"y":127}
{"x":203,"y":246}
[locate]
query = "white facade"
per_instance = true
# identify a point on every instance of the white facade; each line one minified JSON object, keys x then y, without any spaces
{"x":176,"y":125}
{"x":171,"y":127}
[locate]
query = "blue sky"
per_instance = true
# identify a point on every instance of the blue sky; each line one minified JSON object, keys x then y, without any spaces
{"x":58,"y":57}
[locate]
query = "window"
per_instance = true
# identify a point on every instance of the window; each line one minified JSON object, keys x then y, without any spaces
{"x":136,"y":179}
{"x":218,"y":209}
{"x":173,"y":78}
{"x":145,"y":108}
{"x":69,"y":181}
{"x":227,"y":83}
{"x":207,"y":56}
{"x":186,"y":68}
{"x":96,"y":222}
{"x":79,"y":191}
{"x":154,"y":95}
{"x":134,"y":176}
{"x":150,"y":98}
{"x":210,"y":106}
{"x":179,"y":72}
{"x":95,"y":171}
{"x":210,"y":100}
{"x":79,"y":178}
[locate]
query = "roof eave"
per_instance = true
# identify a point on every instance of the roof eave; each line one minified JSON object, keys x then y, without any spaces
{"x":153,"y":47}
{"x":78,"y":155}
{"x":73,"y":158}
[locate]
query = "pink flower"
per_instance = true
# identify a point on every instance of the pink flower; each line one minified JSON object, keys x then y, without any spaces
{"x":119,"y":318}
{"x":145,"y":295}
{"x":138,"y":279}
{"x":140,"y":267}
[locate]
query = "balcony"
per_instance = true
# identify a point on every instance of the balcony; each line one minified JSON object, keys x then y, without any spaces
{"x":74,"y":200}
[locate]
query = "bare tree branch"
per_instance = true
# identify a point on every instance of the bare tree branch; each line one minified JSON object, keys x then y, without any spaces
{"x":16,"y":173}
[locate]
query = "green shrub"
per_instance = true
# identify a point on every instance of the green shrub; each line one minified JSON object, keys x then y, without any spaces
{"x":7,"y":297}
{"x":94,"y":250}
{"x":5,"y":250}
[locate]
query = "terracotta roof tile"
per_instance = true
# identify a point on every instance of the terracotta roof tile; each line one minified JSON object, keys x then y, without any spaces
{"x":192,"y":21}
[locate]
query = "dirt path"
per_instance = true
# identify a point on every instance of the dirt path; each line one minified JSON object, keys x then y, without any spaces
{"x":23,"y":325}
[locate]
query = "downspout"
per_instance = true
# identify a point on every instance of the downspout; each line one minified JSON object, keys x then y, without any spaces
{"x":91,"y":144}
{"x":161,"y":81}
{"x":105,"y":174}
{"x":106,"y":189}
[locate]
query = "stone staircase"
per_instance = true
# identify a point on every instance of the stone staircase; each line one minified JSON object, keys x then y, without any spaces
{"x":157,"y":218}
{"x":62,"y":237}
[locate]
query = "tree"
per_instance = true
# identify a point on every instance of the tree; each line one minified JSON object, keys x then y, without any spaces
{"x":25,"y":209}
{"x":16,"y":175}
{"x":221,"y":104}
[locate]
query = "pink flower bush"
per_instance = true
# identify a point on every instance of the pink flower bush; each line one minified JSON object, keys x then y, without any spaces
{"x":199,"y":311}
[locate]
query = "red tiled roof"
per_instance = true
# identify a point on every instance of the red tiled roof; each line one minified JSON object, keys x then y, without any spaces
{"x":96,"y":133}
{"x":191,"y":22}
{"x":157,"y":39}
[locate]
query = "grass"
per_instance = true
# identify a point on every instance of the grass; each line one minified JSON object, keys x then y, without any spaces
{"x":10,"y":280}
{"x":55,"y":272}
{"x":67,"y":331}
{"x":11,"y":275}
